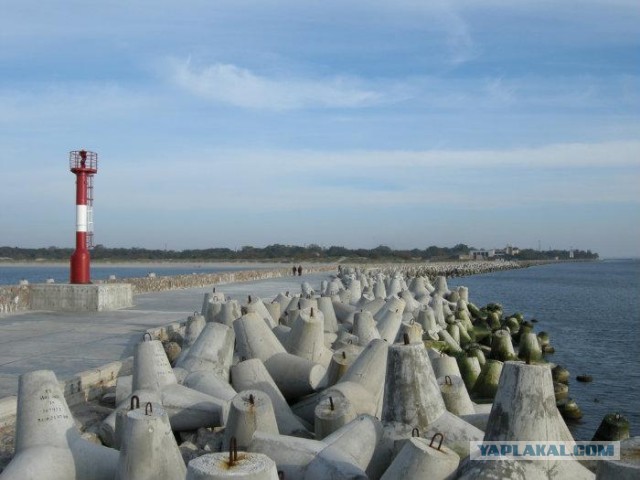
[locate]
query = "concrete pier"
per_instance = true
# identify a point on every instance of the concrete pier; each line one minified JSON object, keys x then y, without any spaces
{"x":81,"y":298}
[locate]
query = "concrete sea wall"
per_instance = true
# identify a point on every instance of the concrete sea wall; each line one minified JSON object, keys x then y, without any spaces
{"x":14,"y":298}
{"x":176,"y":282}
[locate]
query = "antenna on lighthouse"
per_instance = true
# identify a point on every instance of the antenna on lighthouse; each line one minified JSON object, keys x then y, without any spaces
{"x":84,"y":165}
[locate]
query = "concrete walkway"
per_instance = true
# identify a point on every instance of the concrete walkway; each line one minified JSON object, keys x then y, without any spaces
{"x":68,"y":343}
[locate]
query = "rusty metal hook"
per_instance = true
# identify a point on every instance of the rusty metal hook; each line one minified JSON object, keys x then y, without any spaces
{"x":148,"y":408}
{"x":434,"y":437}
{"x":134,"y":399}
{"x":233,"y":451}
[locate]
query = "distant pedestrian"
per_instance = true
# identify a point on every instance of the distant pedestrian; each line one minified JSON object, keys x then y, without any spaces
{"x":299,"y":271}
{"x":295,"y":270}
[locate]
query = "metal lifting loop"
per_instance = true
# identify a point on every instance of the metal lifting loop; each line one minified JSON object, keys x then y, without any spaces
{"x":148,"y":408}
{"x":331,"y":404}
{"x":233,"y":451}
{"x":415,"y":432}
{"x":144,"y":337}
{"x":447,"y":380}
{"x":134,"y":400}
{"x":434,"y":437}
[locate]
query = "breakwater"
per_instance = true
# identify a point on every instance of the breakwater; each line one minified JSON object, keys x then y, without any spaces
{"x":16,"y":298}
{"x":375,"y":395}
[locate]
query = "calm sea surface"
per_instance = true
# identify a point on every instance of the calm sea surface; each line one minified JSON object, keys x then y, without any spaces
{"x":592,"y":313}
{"x":11,"y":275}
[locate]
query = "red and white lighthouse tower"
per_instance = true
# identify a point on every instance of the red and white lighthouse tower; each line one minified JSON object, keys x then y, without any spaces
{"x":84,"y":165}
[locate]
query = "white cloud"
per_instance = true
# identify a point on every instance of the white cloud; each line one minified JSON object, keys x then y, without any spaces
{"x":230,"y":84}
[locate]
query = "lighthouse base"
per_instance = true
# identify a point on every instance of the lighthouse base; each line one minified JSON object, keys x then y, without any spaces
{"x":81,"y":298}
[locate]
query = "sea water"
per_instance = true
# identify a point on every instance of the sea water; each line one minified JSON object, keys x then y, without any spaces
{"x":591,"y":311}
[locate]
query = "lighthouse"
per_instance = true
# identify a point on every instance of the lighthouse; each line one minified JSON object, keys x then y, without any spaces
{"x":84,"y":165}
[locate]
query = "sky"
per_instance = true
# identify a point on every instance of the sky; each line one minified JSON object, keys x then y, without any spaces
{"x":356,"y":123}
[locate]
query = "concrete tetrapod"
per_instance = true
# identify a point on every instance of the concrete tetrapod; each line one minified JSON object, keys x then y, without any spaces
{"x":330,"y":321}
{"x":525,"y":410}
{"x":306,"y":339}
{"x":332,"y":413}
{"x":154,"y":381}
{"x":412,"y":396}
{"x":420,"y":459}
{"x":212,"y":351}
{"x":389,"y":326}
{"x":445,"y":365}
{"x":253,"y":375}
{"x":229,"y":312}
{"x":363,"y":383}
{"x":344,"y":454}
{"x":241,"y":466}
{"x":149,"y":450}
{"x":341,"y":360}
{"x":295,"y":376}
{"x":627,"y":468}
{"x":47,"y":442}
{"x":529,"y":347}
{"x":251,"y":410}
{"x":486,"y":384}
{"x":195,"y":324}
{"x":206,"y":365}
{"x":455,"y":395}
{"x":364,"y":327}
{"x":255,"y":305}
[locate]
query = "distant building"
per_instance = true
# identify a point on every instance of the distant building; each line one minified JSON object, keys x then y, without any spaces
{"x":511,"y":250}
{"x":482,"y":254}
{"x":494,"y":253}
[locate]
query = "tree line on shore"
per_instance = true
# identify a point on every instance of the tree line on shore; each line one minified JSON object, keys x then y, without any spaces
{"x":278,"y":252}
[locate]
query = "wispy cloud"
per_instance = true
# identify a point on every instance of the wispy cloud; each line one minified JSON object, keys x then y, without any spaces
{"x":234,"y":85}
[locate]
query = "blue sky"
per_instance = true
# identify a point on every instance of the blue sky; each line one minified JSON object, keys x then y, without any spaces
{"x":406,"y":123}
